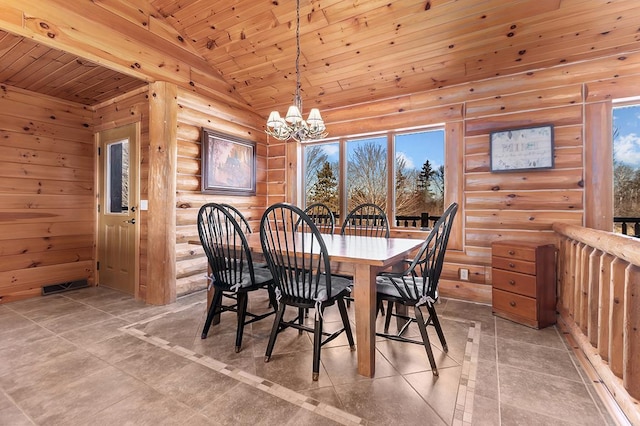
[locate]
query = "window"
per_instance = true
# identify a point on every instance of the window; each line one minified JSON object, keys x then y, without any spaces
{"x":626,"y":166}
{"x":322,"y":174}
{"x":367,"y":172}
{"x":117,"y":186}
{"x":416,"y":169}
{"x":419,"y":173}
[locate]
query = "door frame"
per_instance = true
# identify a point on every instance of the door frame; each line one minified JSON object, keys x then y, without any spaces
{"x":134,"y":145}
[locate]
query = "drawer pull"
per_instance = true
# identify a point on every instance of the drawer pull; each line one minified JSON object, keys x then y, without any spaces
{"x":511,"y":265}
{"x":511,"y":252}
{"x":512,"y":282}
{"x":513,"y":304}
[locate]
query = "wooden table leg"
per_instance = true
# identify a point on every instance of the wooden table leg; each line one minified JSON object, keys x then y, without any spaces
{"x":365,"y":306}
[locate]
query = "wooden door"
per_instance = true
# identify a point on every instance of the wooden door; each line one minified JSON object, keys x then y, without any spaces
{"x":118,"y":217}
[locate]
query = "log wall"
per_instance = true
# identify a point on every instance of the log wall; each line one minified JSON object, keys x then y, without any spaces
{"x":47,"y":202}
{"x":514,"y":205}
{"x":195,"y":113}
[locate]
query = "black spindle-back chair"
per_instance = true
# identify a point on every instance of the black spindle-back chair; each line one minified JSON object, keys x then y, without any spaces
{"x":232,"y":271}
{"x":297,"y":257}
{"x":417,"y":286}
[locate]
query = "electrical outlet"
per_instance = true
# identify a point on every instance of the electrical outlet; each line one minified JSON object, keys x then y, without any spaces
{"x":464,"y":274}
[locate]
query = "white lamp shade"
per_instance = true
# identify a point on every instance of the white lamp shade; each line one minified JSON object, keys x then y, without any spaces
{"x":274,"y":119}
{"x":293,"y":114}
{"x":314,"y":116}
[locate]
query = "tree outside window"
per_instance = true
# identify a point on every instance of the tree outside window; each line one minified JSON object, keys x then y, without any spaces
{"x":418,"y":173}
{"x":367,"y":172}
{"x":419,"y":183}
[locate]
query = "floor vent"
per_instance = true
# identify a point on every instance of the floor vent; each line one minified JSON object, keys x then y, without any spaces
{"x":59,"y":288}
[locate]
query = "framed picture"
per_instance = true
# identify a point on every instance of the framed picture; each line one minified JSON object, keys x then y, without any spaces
{"x":228,"y":164}
{"x":527,"y":148}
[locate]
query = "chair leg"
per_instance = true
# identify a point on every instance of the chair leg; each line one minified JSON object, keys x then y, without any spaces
{"x":317,"y":344}
{"x":436,"y":325}
{"x":302,"y":314}
{"x":242,"y":314}
{"x":215,"y":305}
{"x":272,"y":298}
{"x":345,"y":323}
{"x":274,"y":331}
{"x":387,"y":318}
{"x":425,"y":339}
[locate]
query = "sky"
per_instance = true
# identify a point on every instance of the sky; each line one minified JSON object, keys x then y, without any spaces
{"x":626,"y":146}
{"x":415,"y":148}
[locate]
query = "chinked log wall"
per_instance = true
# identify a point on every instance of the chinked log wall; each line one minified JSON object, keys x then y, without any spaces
{"x":195,"y":113}
{"x":47,"y":205}
{"x":599,"y":288}
{"x":518,"y":205}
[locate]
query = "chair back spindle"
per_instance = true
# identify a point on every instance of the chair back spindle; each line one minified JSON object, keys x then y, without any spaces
{"x":322,"y":217}
{"x":366,"y":220}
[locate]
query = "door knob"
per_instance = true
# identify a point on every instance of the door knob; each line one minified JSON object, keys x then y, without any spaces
{"x":131,"y":221}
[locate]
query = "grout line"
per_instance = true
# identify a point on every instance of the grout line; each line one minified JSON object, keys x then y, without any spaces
{"x":259,"y":383}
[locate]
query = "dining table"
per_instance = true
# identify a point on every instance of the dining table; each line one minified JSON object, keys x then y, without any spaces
{"x":362,"y":257}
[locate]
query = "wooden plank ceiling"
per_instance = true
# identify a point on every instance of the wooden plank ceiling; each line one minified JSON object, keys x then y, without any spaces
{"x":351,"y":51}
{"x":31,"y":66}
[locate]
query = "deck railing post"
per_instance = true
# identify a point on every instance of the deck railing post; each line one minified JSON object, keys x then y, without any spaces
{"x":424,"y":220}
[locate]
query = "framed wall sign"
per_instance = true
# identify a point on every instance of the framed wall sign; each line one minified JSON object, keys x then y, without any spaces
{"x":228,"y":164}
{"x":527,"y":148}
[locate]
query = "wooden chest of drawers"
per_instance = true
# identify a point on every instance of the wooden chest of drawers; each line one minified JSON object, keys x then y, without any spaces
{"x":524,"y":282}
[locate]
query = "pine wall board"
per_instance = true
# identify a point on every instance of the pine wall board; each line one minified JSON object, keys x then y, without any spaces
{"x":47,"y":201}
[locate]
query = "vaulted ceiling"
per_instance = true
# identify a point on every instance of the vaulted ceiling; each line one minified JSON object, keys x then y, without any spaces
{"x":351,"y":51}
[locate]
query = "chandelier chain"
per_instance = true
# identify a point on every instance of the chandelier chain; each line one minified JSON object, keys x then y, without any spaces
{"x":293,"y":126}
{"x":298,"y":99}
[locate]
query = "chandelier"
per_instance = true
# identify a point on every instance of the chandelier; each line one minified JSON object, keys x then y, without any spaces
{"x":293,"y":126}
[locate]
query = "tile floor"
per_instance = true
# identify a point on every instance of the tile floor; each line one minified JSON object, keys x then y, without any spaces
{"x":96,"y":356}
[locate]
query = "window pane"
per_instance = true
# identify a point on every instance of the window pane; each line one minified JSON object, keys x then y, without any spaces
{"x":322,"y":174}
{"x":419,"y":176}
{"x":626,"y":162}
{"x":367,"y":172}
{"x":117,"y":181}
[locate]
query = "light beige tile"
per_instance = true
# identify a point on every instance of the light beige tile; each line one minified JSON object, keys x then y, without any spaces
{"x":195,"y":385}
{"x":549,"y":395}
{"x":84,"y":316}
{"x":386,"y":401}
{"x":231,"y":408}
{"x":51,"y":375}
{"x":94,"y":333}
{"x":77,"y":402}
{"x":144,"y":407}
{"x":542,"y":359}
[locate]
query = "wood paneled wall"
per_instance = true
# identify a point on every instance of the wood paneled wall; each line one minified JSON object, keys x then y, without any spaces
{"x":514,"y":205}
{"x":132,"y":108}
{"x":47,"y":203}
{"x":195,"y":113}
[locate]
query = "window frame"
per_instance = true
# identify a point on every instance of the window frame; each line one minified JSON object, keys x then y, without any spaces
{"x":390,"y":135}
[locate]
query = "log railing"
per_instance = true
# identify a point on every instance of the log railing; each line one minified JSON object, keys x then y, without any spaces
{"x":599,"y":300}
